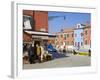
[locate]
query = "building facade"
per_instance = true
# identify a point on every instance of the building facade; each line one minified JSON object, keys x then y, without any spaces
{"x":39,"y":20}
{"x":65,"y":38}
{"x":59,"y":39}
{"x":69,"y":36}
{"x":35,"y":30}
{"x":78,"y":36}
{"x":87,"y":37}
{"x":27,"y":38}
{"x":35,"y":24}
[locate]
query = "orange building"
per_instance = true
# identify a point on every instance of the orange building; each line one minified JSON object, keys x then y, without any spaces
{"x":66,"y":37}
{"x":59,"y":39}
{"x":69,"y":36}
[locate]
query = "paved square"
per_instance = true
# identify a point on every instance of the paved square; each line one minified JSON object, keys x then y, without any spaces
{"x":68,"y":61}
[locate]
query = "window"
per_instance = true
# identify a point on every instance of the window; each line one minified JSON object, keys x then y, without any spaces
{"x":72,"y":42}
{"x":86,"y":42}
{"x":81,"y":34}
{"x":78,"y":26}
{"x":78,"y":44}
{"x":75,"y":43}
{"x":67,"y":35}
{"x":72,"y":35}
{"x":61,"y":36}
{"x":75,"y":35}
{"x":85,"y":32}
{"x":67,"y":42}
{"x":81,"y":43}
{"x":28,"y":22}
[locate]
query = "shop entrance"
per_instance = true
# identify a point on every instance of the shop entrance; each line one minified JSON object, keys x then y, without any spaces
{"x":37,"y":42}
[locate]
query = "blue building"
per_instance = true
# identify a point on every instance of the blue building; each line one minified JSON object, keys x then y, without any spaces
{"x":78,"y":36}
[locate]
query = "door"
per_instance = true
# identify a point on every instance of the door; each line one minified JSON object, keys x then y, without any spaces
{"x":78,"y":45}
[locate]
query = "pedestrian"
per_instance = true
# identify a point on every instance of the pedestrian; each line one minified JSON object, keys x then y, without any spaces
{"x":25,"y":57}
{"x":42,"y":52}
{"x":35,"y":52}
{"x":74,"y":52}
{"x":31,"y":54}
{"x":38,"y":52}
{"x":89,"y":52}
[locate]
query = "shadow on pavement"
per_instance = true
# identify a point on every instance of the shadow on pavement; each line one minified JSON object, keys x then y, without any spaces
{"x":56,"y":55}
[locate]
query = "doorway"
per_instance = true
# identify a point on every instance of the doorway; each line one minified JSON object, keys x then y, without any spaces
{"x":37,"y":42}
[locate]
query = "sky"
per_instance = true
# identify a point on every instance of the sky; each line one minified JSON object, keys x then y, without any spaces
{"x":66,"y":20}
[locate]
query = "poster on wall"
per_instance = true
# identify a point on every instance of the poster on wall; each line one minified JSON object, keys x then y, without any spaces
{"x":52,"y":39}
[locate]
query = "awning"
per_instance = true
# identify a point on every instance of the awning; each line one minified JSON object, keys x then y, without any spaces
{"x":41,"y":33}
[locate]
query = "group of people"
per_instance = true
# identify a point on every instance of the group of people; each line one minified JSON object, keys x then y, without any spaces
{"x":33,"y":52}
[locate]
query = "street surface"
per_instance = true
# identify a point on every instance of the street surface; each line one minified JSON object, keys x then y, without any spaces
{"x":69,"y":60}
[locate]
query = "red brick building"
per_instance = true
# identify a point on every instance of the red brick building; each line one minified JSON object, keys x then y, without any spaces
{"x":27,"y":37}
{"x":69,"y":36}
{"x":35,"y":24}
{"x":59,"y":39}
{"x":87,"y":36}
{"x":40,"y":19}
{"x":65,"y":38}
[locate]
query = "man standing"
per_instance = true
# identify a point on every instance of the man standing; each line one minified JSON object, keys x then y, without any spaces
{"x":38,"y":52}
{"x":42,"y":52}
{"x":31,"y":54}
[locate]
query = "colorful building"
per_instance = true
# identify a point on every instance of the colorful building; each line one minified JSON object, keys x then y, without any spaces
{"x":35,"y":30}
{"x":78,"y":36}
